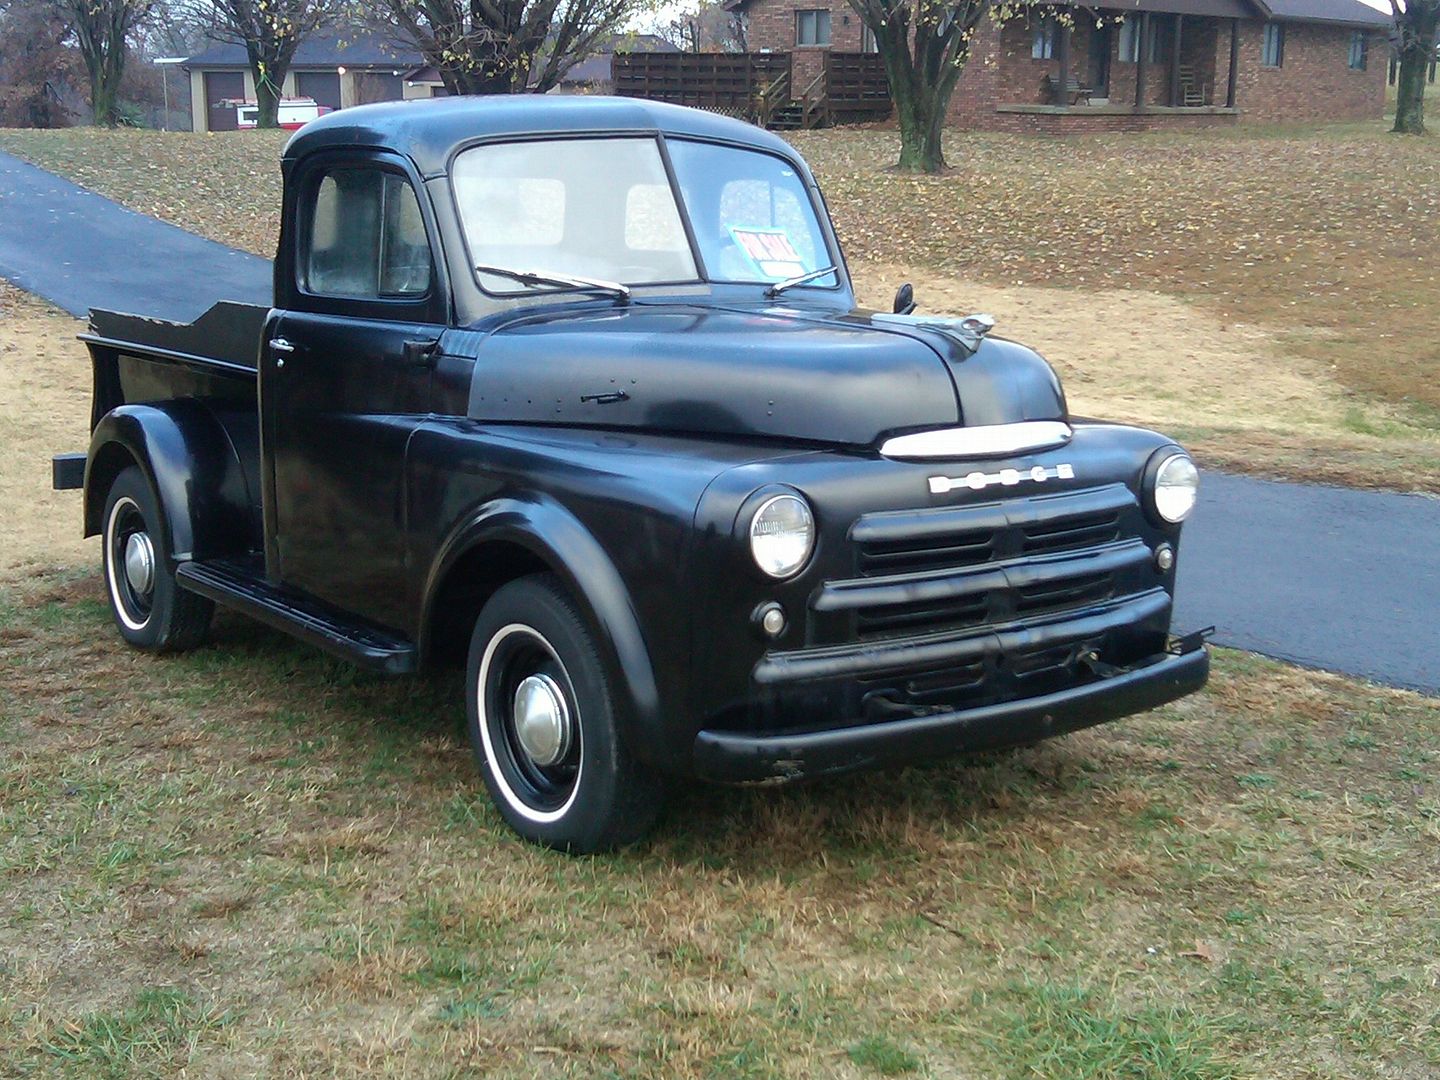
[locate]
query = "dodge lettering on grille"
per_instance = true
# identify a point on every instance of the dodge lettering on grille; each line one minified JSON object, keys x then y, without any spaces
{"x":978,"y":481}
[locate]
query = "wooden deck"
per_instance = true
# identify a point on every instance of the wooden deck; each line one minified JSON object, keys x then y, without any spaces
{"x":759,"y":87}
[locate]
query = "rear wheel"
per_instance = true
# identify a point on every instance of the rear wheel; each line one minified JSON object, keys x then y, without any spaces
{"x":151,"y":611}
{"x":543,"y":724}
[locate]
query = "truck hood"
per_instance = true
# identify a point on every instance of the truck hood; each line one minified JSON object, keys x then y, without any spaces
{"x":778,"y":373}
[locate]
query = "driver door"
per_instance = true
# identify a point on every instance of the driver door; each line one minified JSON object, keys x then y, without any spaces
{"x":348,"y":379}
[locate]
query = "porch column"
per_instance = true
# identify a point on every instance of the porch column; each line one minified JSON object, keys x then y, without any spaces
{"x":1234,"y":63}
{"x":1062,"y":53}
{"x":1141,"y":58}
{"x":1175,"y":63}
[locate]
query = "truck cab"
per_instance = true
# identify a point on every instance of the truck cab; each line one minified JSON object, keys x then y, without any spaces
{"x":575,"y":392}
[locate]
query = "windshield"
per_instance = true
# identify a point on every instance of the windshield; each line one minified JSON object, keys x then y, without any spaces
{"x":604,"y":209}
{"x":752,"y":216}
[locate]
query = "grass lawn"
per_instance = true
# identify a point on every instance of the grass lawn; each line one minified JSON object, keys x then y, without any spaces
{"x":254,"y":861}
{"x":1272,"y":297}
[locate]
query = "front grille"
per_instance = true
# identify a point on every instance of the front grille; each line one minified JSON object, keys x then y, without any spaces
{"x":1071,"y":592}
{"x":919,"y":554}
{"x":1081,"y":531}
{"x":945,"y":570}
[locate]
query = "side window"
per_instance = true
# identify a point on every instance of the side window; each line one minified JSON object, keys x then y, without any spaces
{"x":1272,"y":48}
{"x":366,"y":237}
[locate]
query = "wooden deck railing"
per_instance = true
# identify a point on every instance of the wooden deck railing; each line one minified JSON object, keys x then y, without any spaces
{"x":722,"y":82}
{"x":758,"y":86}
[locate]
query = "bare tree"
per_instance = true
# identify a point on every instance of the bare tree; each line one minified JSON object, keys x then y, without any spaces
{"x":683,"y":32}
{"x":270,"y":31}
{"x":706,"y":28}
{"x":102,"y":30}
{"x":505,"y":46}
{"x":1416,"y":23}
{"x":36,"y":66}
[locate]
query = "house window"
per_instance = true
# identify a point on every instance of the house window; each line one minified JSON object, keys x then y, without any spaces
{"x":1272,"y":50}
{"x":867,"y":41}
{"x":1359,"y":46}
{"x":1042,"y":45}
{"x":1130,"y":39}
{"x":812,"y":27}
{"x":1154,"y":43}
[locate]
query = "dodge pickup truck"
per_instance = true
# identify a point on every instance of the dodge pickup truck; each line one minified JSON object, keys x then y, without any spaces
{"x":575,"y":392}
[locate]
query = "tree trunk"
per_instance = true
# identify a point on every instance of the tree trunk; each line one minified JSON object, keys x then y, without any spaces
{"x":921,"y":126}
{"x":922,"y":72}
{"x":1417,"y":47}
{"x":268,"y":82}
{"x":103,"y":99}
{"x":101,"y":32}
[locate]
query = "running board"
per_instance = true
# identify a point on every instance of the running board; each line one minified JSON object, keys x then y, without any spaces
{"x":242,"y":586}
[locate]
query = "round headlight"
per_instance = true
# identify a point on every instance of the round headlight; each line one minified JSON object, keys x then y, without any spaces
{"x":782,"y":535}
{"x":1177,"y":482}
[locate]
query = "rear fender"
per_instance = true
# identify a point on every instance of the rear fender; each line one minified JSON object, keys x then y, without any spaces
{"x":543,"y":527}
{"x":192,"y":464}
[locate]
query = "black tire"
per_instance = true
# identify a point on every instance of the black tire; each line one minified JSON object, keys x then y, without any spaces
{"x":593,"y":795}
{"x":151,"y":611}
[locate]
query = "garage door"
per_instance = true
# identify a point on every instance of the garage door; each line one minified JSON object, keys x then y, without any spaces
{"x":223,"y":86}
{"x":377,"y":86}
{"x":323,"y":86}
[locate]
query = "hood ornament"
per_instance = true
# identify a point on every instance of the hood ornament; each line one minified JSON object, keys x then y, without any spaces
{"x":968,"y":330}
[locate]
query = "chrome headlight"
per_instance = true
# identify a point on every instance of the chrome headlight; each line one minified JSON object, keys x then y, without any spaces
{"x":782,"y":535}
{"x":1176,"y":486}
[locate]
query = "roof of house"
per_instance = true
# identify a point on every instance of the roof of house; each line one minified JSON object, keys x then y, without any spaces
{"x":321,"y":49}
{"x":1349,"y":12}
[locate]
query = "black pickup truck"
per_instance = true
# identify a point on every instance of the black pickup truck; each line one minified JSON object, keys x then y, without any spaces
{"x":576,"y":391}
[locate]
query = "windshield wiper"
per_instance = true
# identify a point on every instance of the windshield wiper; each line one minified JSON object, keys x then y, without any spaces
{"x":566,"y":281}
{"x":781,"y":286}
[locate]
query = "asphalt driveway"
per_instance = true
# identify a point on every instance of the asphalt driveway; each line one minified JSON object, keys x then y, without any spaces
{"x":80,"y":250}
{"x":1330,"y":578}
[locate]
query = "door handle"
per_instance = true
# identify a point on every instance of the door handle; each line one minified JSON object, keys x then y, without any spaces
{"x":420,"y":354}
{"x":280,"y":345}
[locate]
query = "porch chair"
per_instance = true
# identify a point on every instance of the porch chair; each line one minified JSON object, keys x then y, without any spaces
{"x":1193,"y":92}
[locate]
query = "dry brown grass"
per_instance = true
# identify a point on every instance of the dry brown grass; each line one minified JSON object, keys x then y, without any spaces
{"x":254,"y":861}
{"x":44,"y":410}
{"x":1233,"y":391}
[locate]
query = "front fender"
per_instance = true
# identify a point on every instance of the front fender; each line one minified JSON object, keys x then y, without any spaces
{"x":552,"y":534}
{"x":190,"y":461}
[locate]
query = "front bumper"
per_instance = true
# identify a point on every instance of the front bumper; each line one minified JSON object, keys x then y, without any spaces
{"x":755,"y":757}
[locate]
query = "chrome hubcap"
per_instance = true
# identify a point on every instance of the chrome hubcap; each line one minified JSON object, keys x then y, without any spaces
{"x":140,"y":562}
{"x":542,"y":722}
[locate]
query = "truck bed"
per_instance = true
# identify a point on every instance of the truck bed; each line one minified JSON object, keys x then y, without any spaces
{"x":213,"y":359}
{"x":228,"y":334}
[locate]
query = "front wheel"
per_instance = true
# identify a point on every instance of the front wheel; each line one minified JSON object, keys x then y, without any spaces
{"x":151,"y":610}
{"x":542,"y":712}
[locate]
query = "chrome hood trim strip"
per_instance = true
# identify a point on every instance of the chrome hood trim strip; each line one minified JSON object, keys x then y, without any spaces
{"x":996,"y":440}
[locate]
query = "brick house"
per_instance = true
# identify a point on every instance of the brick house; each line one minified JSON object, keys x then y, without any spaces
{"x":1131,"y":64}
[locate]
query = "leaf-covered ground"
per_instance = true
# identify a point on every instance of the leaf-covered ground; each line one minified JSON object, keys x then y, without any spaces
{"x":1272,"y":297}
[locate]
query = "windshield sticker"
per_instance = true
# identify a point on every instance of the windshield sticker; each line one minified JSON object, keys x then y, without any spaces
{"x":771,"y":250}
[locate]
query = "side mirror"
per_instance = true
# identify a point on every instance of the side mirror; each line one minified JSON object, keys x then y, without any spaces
{"x":904,"y":299}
